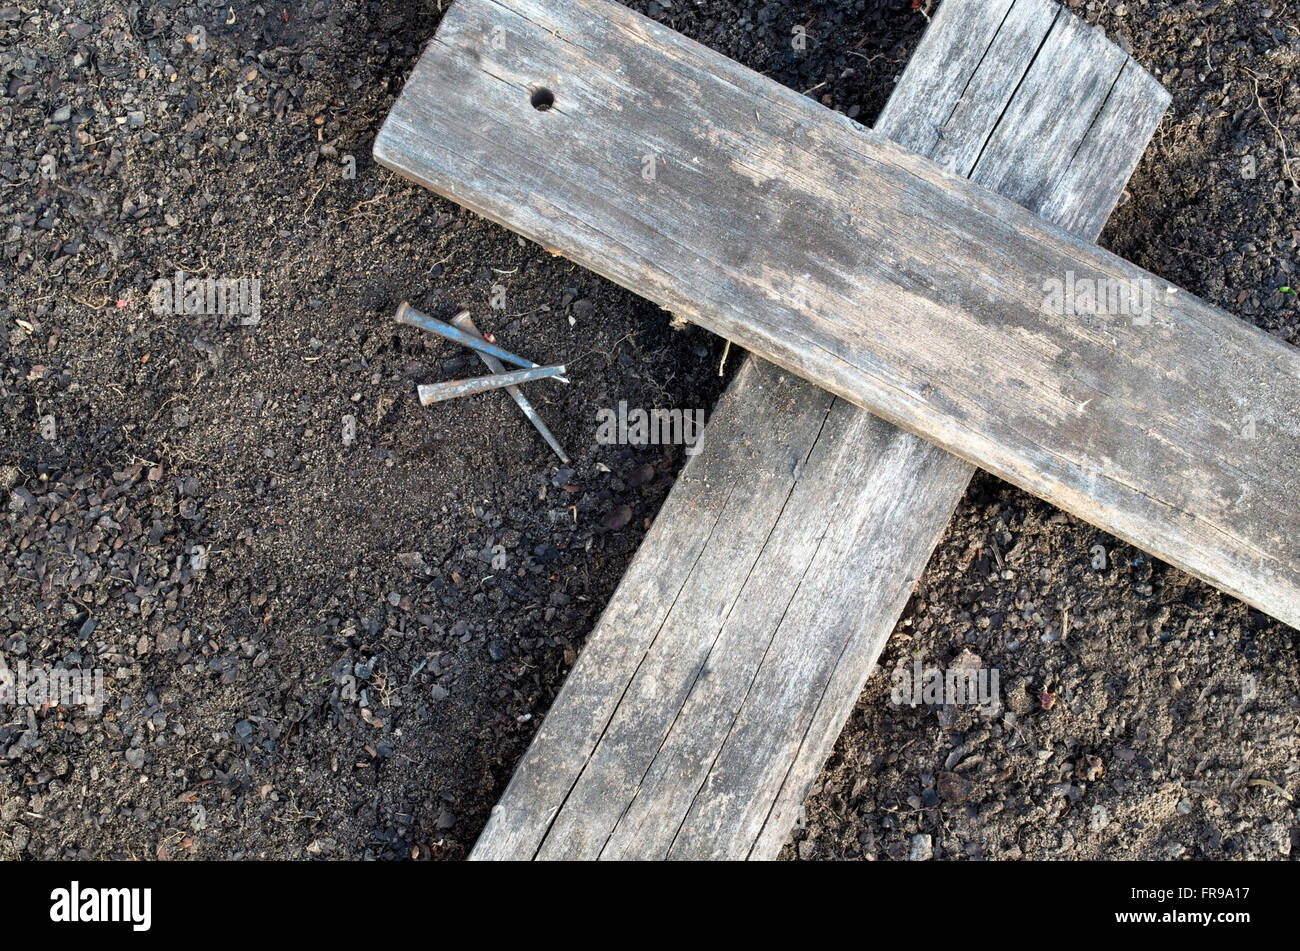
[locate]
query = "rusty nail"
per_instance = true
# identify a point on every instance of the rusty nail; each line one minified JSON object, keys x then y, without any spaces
{"x":437,"y":392}
{"x":406,"y":314}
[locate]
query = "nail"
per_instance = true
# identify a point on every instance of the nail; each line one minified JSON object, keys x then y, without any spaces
{"x":465,"y":322}
{"x":437,"y":392}
{"x":406,"y":314}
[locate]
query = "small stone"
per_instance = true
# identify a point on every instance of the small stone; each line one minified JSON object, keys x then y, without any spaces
{"x":952,"y":787}
{"x":169,"y":640}
{"x":1098,"y":819}
{"x":922,"y":848}
{"x":322,"y":846}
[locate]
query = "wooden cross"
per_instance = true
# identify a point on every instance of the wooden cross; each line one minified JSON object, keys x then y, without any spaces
{"x":918,"y":270}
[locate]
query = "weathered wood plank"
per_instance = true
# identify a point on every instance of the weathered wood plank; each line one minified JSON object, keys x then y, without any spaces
{"x":720,"y":509}
{"x":870,"y":271}
{"x":959,"y":81}
{"x":853,"y":538}
{"x":768,"y":688}
{"x":1082,"y":195}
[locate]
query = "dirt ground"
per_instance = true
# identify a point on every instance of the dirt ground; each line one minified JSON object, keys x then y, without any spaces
{"x":325,"y":647}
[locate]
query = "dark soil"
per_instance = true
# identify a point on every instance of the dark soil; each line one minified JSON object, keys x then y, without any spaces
{"x":314,"y":648}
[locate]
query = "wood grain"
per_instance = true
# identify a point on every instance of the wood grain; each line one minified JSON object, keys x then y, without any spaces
{"x":696,"y":731}
{"x":871,"y":271}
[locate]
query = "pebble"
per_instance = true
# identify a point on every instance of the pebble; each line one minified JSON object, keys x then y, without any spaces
{"x":952,"y":787}
{"x":922,"y":849}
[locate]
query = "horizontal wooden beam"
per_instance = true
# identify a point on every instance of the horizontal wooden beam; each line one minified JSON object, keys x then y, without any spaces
{"x":871,"y":271}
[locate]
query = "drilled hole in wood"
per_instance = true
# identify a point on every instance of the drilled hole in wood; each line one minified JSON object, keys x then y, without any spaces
{"x":542,"y":99}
